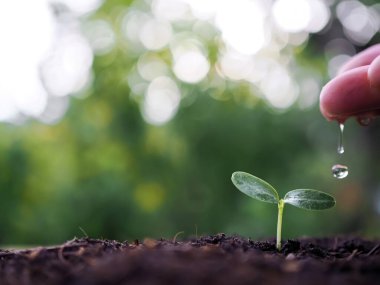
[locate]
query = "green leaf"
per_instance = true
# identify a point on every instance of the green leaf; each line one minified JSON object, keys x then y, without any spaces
{"x":254,"y":187}
{"x":309,"y":199}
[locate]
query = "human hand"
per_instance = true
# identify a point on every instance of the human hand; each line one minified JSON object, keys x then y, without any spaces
{"x":355,"y":91}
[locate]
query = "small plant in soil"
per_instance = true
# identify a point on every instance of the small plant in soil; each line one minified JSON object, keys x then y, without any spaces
{"x":261,"y":190}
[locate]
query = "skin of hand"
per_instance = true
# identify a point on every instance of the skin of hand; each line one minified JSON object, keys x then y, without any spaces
{"x":355,"y":91}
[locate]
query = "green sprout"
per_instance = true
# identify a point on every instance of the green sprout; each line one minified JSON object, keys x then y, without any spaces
{"x":261,"y":190}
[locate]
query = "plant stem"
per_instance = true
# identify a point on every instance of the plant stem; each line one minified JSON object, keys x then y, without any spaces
{"x":281,"y":205}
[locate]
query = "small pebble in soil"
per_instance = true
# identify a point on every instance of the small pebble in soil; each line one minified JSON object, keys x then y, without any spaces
{"x":290,"y":256}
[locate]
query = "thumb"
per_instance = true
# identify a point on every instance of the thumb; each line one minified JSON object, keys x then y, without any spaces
{"x":374,"y":73}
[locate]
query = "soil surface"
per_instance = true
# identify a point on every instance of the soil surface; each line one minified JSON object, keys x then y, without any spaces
{"x":218,"y":259}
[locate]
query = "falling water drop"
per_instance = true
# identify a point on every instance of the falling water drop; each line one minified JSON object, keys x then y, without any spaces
{"x":340,"y":142}
{"x":339,"y":171}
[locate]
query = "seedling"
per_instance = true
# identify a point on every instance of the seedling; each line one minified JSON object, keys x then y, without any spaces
{"x":261,"y":190}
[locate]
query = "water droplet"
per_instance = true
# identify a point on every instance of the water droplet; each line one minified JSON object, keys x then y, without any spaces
{"x":340,"y":142}
{"x":339,"y":171}
{"x":364,"y":121}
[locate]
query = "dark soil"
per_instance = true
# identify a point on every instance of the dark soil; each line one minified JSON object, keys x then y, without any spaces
{"x":216,"y":259}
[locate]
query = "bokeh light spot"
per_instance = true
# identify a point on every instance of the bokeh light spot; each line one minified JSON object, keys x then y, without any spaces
{"x":26,"y":35}
{"x":67,"y":69}
{"x":235,"y":65}
{"x":155,"y":34}
{"x":82,"y":7}
{"x":360,"y":22}
{"x":100,"y":35}
{"x":191,"y":66}
{"x":319,"y":17}
{"x":161,"y":101}
{"x":309,"y":92}
{"x":57,"y":109}
{"x":151,"y":66}
{"x":242,"y":24}
{"x":170,"y":10}
{"x":278,"y":88}
{"x":336,"y":63}
{"x":292,"y":15}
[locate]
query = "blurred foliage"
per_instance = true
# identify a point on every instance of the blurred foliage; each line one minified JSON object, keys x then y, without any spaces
{"x":104,"y":169}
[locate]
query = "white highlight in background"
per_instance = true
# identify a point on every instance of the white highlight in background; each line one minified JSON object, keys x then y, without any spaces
{"x":190,"y":64}
{"x":161,"y":101}
{"x":26,"y":30}
{"x":242,"y":23}
{"x":155,"y":34}
{"x":292,"y":15}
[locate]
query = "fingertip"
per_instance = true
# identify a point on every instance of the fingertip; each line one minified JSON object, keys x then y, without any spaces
{"x":329,"y":99}
{"x":322,"y":105}
{"x":374,"y":73}
{"x":348,"y":94}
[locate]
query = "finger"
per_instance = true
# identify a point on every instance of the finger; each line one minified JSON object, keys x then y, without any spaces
{"x":349,"y":94}
{"x":374,"y":73}
{"x":363,"y":58}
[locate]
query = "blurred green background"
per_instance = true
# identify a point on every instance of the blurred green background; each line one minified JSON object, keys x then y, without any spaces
{"x":140,"y":111}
